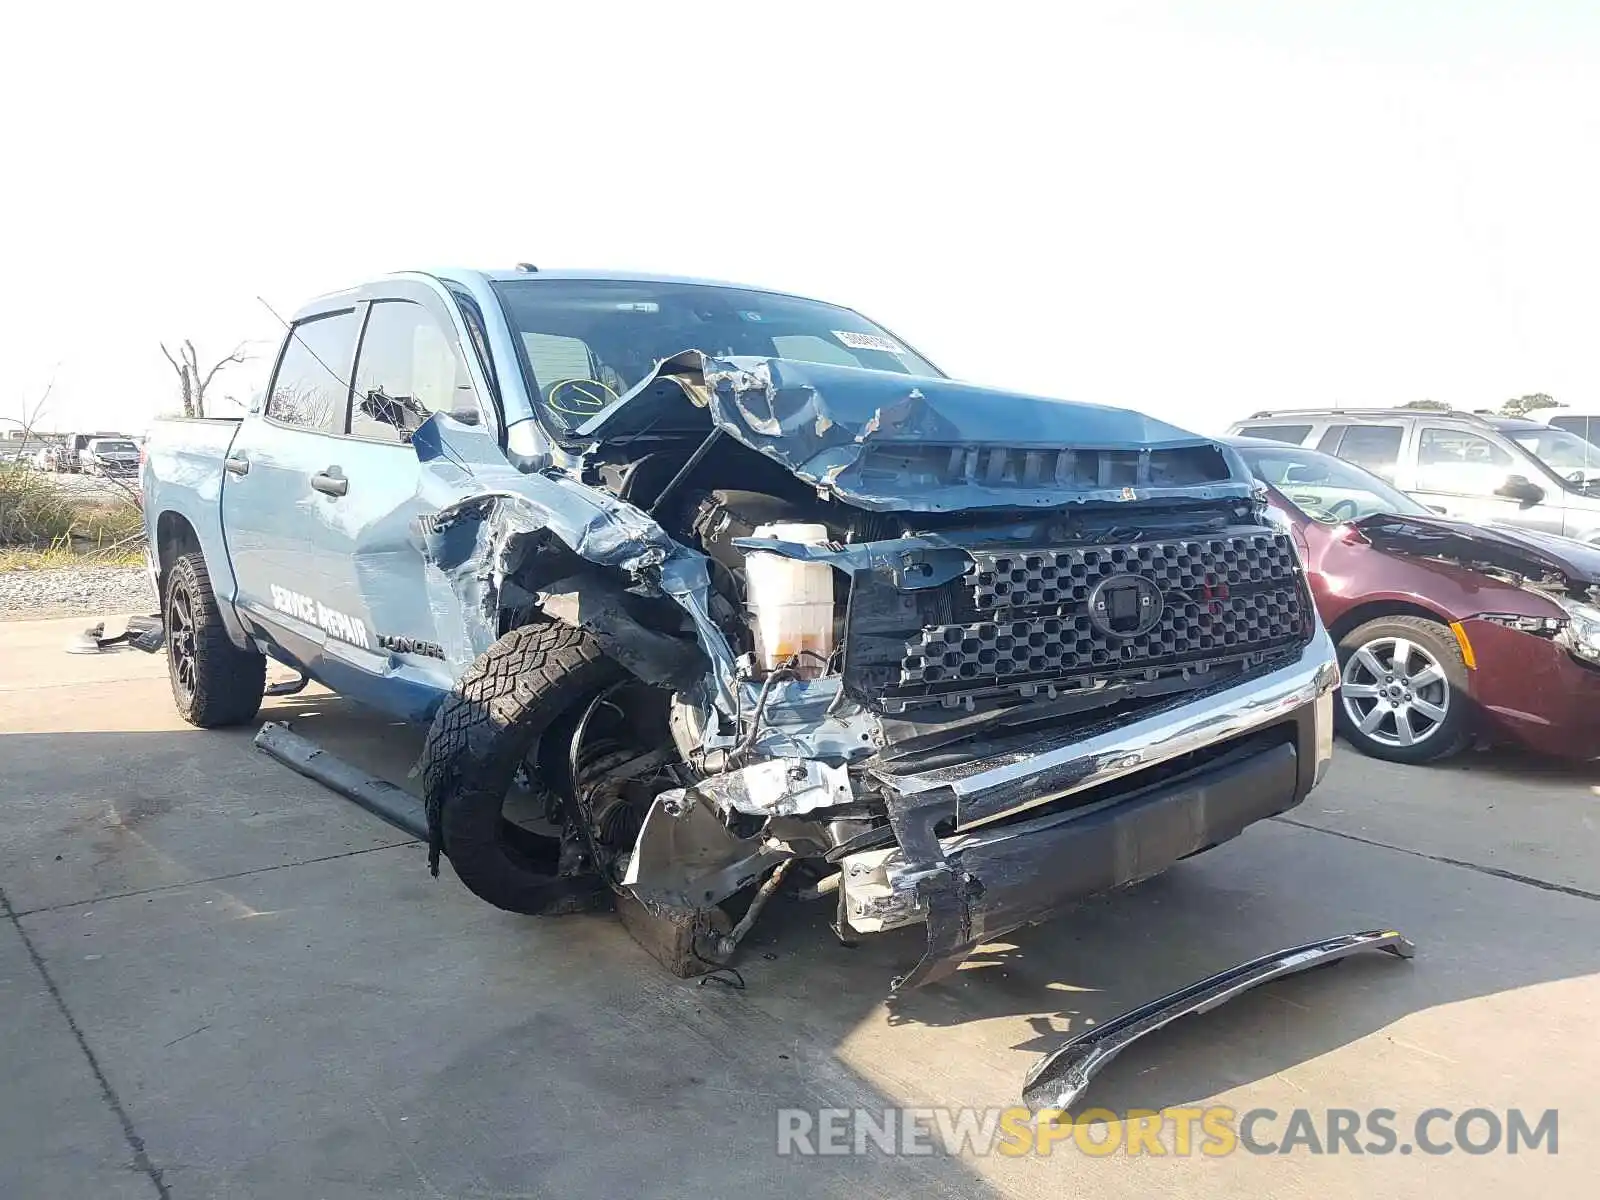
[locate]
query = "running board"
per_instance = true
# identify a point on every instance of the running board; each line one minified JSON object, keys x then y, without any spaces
{"x":378,"y":796}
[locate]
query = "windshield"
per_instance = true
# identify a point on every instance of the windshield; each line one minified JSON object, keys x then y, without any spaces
{"x":113,"y":448}
{"x":586,"y":342}
{"x":1564,"y":453}
{"x":1325,"y":488}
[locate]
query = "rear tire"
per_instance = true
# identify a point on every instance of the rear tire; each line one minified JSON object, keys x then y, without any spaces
{"x":481,"y":735}
{"x":1403,"y":679}
{"x":214,"y":683}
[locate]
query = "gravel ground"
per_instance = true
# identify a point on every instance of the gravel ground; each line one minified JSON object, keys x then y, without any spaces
{"x":98,"y":591}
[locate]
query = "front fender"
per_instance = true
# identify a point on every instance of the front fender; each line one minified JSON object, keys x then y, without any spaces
{"x":486,"y":519}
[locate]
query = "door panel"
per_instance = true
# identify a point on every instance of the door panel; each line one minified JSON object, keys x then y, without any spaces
{"x":1473,"y":479}
{"x":407,"y":368}
{"x":277,"y":525}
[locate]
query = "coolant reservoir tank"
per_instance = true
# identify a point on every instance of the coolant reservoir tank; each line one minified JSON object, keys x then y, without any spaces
{"x":791,"y":602}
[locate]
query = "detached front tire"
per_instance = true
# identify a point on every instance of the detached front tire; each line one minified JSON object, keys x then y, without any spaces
{"x":214,"y":683}
{"x":481,"y":735}
{"x":1403,"y":696}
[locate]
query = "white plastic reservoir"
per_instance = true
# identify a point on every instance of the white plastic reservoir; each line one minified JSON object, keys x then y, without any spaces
{"x":792,"y":602}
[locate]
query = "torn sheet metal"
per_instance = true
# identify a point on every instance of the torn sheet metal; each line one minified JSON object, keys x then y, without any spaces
{"x":886,"y":441}
{"x":487,"y":516}
{"x":778,"y":787}
{"x":809,"y":718}
{"x":1527,"y":552}
{"x":1058,"y":1080}
{"x":925,"y":561}
{"x":587,"y":603}
{"x":686,"y":858}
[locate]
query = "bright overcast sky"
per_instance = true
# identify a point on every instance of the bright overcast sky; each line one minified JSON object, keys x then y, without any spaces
{"x":1194,"y":209}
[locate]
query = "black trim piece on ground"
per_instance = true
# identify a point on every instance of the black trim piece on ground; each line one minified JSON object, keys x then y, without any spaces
{"x":1059,"y":1078}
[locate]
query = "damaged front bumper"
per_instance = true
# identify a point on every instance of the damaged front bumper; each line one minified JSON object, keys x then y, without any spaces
{"x":994,"y":844}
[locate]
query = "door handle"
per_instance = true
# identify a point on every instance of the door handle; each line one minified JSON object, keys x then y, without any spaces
{"x":236,"y":464}
{"x":331,"y":482}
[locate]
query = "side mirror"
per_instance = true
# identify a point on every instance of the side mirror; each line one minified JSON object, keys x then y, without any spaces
{"x":1521,"y":489}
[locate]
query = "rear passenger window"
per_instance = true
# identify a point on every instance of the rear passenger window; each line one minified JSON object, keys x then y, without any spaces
{"x":1328,"y":443}
{"x":1460,"y":463}
{"x":1295,"y":435}
{"x":408,"y":370}
{"x":313,"y":377}
{"x":1375,"y":447}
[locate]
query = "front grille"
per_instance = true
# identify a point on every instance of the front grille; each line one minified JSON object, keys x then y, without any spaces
{"x":1023,"y":620}
{"x":1029,"y":578}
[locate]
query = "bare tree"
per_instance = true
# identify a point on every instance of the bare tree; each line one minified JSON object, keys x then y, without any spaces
{"x":194,"y":381}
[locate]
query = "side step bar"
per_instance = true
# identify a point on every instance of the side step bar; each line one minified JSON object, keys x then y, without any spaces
{"x":378,"y":796}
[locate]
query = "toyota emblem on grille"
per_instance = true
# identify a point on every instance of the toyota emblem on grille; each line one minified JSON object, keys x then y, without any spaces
{"x":1125,"y":606}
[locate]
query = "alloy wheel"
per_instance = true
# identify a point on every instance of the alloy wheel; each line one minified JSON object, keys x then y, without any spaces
{"x":1395,"y":692}
{"x":181,"y":641}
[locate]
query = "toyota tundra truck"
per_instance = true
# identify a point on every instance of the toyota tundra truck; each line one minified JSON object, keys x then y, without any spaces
{"x":704,"y":592}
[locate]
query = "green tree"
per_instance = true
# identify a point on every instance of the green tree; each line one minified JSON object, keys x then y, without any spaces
{"x":1521,"y":406}
{"x":1428,"y":405}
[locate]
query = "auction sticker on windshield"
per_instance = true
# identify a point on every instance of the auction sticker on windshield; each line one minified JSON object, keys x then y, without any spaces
{"x":868,"y":341}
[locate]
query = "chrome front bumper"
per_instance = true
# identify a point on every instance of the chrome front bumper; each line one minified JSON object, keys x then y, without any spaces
{"x":986,"y":879}
{"x":986,"y":789}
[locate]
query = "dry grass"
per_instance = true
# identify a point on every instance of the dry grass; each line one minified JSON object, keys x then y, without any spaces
{"x":28,"y":558}
{"x":42,"y":524}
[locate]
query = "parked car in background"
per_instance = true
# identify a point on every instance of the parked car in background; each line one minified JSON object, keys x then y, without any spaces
{"x":71,"y":458}
{"x":1467,"y":466}
{"x":116,"y":456}
{"x":1580,"y":424}
{"x":1569,"y":455}
{"x":1445,"y":631}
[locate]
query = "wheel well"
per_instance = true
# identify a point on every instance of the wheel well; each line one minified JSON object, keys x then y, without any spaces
{"x":174,"y":538}
{"x":1362,"y":613}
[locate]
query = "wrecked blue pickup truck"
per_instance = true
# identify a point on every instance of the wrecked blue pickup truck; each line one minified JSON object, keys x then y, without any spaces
{"x":708,"y":593}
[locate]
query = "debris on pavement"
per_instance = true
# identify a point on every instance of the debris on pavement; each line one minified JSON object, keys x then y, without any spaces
{"x":142,"y":633}
{"x":1060,"y":1077}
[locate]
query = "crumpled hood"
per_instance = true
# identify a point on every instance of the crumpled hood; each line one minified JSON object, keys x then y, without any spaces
{"x":1524,"y":551}
{"x":882,"y":439}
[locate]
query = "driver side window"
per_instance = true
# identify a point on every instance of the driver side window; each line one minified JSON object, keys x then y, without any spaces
{"x":1458,"y":463}
{"x":407,"y":370}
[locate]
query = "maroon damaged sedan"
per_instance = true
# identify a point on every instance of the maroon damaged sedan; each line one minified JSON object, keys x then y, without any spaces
{"x":1447,"y":632}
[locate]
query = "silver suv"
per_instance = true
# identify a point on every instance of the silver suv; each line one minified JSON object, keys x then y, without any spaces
{"x":1475,"y":468}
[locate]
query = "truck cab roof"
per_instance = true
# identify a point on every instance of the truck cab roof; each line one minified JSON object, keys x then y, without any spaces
{"x":478,"y":280}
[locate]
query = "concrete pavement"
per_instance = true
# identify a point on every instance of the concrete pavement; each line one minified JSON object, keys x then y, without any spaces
{"x":221,"y":981}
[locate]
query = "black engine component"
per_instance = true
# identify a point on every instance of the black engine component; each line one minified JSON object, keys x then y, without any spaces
{"x":728,"y":513}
